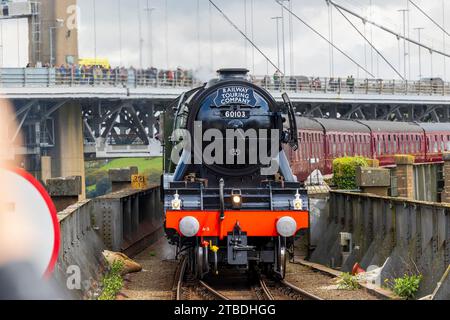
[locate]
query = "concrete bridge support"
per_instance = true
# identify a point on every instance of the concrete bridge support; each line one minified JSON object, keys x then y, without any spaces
{"x":67,"y":157}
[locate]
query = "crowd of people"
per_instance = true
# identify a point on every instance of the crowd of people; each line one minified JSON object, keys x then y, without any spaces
{"x":300,"y":83}
{"x":101,"y":75}
{"x":91,"y":75}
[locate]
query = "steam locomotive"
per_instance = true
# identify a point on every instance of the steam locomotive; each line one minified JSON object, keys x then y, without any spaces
{"x":230,"y":197}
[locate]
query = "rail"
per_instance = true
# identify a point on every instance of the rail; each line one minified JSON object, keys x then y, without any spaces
{"x":131,"y":78}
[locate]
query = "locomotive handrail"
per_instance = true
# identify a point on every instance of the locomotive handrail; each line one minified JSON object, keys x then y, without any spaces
{"x":293,"y":131}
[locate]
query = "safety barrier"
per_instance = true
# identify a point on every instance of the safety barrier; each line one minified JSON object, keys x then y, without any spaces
{"x":129,"y":220}
{"x":131,"y":78}
{"x":126,"y":221}
{"x":399,"y":235}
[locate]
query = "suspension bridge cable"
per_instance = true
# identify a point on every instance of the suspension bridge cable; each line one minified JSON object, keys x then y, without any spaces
{"x":253,"y":33}
{"x":324,"y":38}
{"x":398,"y":35}
{"x":211,"y":49}
{"x":245,"y":36}
{"x":370,"y":43}
{"x":429,"y":17}
{"x":119,"y":7}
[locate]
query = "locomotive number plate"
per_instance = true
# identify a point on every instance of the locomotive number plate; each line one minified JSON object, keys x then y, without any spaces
{"x":235,"y":114}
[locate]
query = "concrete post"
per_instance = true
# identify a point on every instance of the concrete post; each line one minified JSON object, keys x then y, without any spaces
{"x":446,"y":192}
{"x":64,"y":191}
{"x":405,"y":175}
{"x":121,"y":178}
{"x":373,"y":180}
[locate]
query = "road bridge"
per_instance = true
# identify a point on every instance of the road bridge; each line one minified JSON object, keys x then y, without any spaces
{"x":121,"y":112}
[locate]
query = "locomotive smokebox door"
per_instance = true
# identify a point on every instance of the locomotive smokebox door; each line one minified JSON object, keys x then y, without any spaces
{"x":237,"y":254}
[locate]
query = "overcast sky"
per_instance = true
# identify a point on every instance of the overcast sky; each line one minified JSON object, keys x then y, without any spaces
{"x":189,"y":30}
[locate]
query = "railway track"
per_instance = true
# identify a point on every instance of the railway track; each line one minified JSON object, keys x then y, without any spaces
{"x":234,"y":287}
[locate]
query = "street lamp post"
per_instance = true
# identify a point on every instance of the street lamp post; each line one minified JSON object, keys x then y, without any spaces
{"x":150,"y":30}
{"x":141,"y":40}
{"x":420,"y":52}
{"x":283,"y":38}
{"x":403,"y":11}
{"x":277,"y":19}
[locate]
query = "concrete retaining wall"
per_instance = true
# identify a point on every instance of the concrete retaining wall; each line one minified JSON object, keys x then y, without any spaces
{"x":80,"y":250}
{"x":414,"y":236}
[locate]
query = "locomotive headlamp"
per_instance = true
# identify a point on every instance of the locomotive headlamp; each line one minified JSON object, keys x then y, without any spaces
{"x":298,"y":203}
{"x":176,"y":202}
{"x":236,"y":199}
{"x":286,"y":227}
{"x":189,"y":226}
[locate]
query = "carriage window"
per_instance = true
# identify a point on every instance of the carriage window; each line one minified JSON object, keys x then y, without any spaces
{"x":379,"y":145}
{"x":334,"y":145}
{"x":407,"y":144}
{"x":389,"y":144}
{"x":418,"y":147}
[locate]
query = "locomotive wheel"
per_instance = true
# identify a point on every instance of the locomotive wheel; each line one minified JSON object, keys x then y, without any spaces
{"x":199,"y":262}
{"x":281,"y":257}
{"x":192,"y":261}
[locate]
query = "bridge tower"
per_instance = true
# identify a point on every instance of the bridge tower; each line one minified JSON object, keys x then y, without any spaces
{"x":53,"y":32}
{"x":53,"y":39}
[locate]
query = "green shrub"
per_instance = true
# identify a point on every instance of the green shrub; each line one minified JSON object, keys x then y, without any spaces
{"x":344,"y":172}
{"x":348,"y":282}
{"x":112,"y":283}
{"x":407,"y":286}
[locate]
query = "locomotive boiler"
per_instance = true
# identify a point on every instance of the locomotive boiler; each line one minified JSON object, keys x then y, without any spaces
{"x":230,"y":197}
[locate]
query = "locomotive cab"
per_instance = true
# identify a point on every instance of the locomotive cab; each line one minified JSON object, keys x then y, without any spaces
{"x":230,"y":198}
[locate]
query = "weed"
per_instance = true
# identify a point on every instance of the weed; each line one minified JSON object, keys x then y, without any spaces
{"x":112,"y":282}
{"x":348,"y":282}
{"x":407,"y":286}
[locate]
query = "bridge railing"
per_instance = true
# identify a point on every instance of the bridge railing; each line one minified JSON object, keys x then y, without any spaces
{"x":131,"y":78}
{"x":400,"y":235}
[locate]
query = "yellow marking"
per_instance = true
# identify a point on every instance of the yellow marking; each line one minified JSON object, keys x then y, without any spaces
{"x":139,"y":182}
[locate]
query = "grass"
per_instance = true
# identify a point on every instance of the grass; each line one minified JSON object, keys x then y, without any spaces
{"x":98,"y":171}
{"x":145,"y":166}
{"x":91,"y":188}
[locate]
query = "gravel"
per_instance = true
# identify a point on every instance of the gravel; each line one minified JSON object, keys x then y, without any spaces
{"x":322,"y":285}
{"x":155,"y":281}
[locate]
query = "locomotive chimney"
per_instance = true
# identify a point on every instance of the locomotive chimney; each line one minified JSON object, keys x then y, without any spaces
{"x":233,"y":74}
